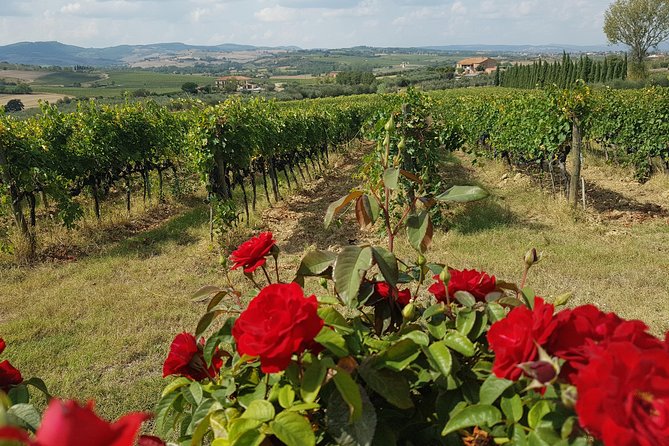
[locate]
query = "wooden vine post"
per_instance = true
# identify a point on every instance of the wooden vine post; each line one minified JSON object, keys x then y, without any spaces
{"x":575,"y":165}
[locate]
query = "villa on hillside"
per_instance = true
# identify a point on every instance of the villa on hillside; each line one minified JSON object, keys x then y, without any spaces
{"x":477,"y":64}
{"x":240,"y":83}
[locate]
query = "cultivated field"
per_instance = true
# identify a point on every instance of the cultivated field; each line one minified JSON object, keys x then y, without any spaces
{"x":31,"y":100}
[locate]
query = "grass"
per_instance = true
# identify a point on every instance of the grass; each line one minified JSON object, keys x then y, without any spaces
{"x":100,"y":327}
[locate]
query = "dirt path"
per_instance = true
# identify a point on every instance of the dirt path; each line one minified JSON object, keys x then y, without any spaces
{"x":297,"y":222}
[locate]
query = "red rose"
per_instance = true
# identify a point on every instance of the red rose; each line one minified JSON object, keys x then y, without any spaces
{"x":438,"y":289}
{"x":9,"y":375}
{"x":584,"y":327}
{"x":186,"y":358}
{"x":384,"y":290}
{"x":514,"y":339}
{"x":65,"y":423}
{"x":251,"y":254}
{"x":278,"y":323}
{"x":478,"y":284}
{"x":623,"y":395}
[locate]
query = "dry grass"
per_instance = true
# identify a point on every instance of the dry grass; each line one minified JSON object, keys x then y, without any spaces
{"x":99,"y":327}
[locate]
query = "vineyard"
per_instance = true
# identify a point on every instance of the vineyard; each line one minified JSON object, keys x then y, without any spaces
{"x":53,"y":158}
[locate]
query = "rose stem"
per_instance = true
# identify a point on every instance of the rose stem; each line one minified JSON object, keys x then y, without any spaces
{"x":269,"y":281}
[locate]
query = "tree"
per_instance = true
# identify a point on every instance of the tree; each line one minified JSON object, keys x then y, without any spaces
{"x":14,"y":105}
{"x":189,"y":87}
{"x":639,"y":24}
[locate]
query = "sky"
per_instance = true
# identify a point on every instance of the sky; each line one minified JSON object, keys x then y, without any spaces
{"x":304,"y":23}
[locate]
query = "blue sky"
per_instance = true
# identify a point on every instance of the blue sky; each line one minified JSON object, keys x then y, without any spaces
{"x":305,"y":23}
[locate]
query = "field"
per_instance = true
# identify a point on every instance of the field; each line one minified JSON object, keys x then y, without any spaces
{"x":98,"y":321}
{"x":31,"y":100}
{"x":115,"y":83}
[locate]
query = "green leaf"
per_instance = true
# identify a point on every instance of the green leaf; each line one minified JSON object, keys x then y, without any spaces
{"x":293,"y":429}
{"x":492,"y":388}
{"x":251,"y":437}
{"x":163,"y":410}
{"x":200,"y":431}
{"x":350,"y":267}
{"x":419,"y":337}
{"x":512,"y":408}
{"x":39,"y":385}
{"x":476,"y":415}
{"x":495,"y":312}
{"x":339,"y":205}
{"x":332,"y":341}
{"x":196,"y":392}
{"x":540,"y":409}
{"x":387,"y":263}
{"x":465,"y":321}
{"x":206,"y":320}
{"x":205,"y":292}
{"x":333,"y":318}
{"x":391,"y":177}
{"x":460,"y":343}
{"x":175,"y":385}
{"x":399,"y":355}
{"x":315,"y":263}
{"x":24,"y":415}
{"x":259,"y":410}
{"x":19,"y":394}
{"x":441,"y":357}
{"x":420,"y":231}
{"x":238,"y":426}
{"x":392,"y":386}
{"x":312,"y":381}
{"x":462,"y":194}
{"x":465,"y":298}
{"x":286,"y":396}
{"x":350,"y":392}
{"x":345,"y":432}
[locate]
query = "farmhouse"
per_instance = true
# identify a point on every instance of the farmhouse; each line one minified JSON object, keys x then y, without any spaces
{"x":224,"y":81}
{"x":477,"y":64}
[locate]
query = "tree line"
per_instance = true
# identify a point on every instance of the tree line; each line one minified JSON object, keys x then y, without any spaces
{"x":565,"y":72}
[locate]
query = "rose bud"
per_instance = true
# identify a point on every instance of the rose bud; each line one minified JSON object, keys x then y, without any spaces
{"x":409,"y":312}
{"x":445,"y":276}
{"x":390,"y":124}
{"x":531,"y":257}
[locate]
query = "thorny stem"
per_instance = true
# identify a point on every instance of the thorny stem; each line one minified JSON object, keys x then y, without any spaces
{"x":264,"y":270}
{"x":523,"y":280}
{"x":252,"y":279}
{"x":276,"y":268}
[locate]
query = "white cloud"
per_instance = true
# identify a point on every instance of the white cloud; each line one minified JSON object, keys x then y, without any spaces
{"x":313,"y":23}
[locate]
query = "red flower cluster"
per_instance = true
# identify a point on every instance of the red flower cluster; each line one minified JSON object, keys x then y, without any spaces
{"x":621,"y":371}
{"x":278,"y":323}
{"x":384,"y":290}
{"x":251,"y":254}
{"x":478,"y":284}
{"x":515,"y":338}
{"x":9,"y":375}
{"x":186,"y":358}
{"x":623,"y":395}
{"x":65,"y":423}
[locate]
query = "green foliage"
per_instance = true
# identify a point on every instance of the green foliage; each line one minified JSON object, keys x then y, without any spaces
{"x":639,"y":24}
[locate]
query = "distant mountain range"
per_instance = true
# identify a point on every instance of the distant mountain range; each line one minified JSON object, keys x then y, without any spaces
{"x":56,"y":53}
